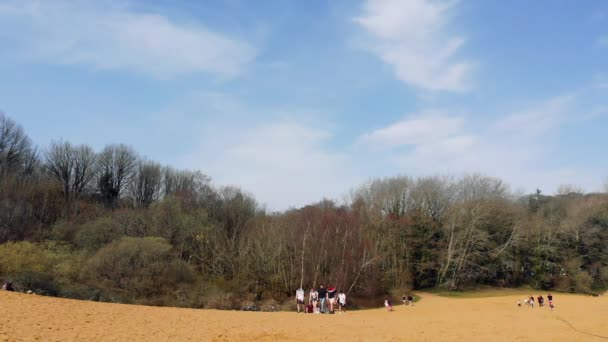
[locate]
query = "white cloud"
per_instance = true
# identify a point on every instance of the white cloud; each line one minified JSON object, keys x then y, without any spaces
{"x":514,"y":148}
{"x":411,"y":37}
{"x":538,"y":120}
{"x":283,"y":157}
{"x":416,"y":129}
{"x":105,"y":36}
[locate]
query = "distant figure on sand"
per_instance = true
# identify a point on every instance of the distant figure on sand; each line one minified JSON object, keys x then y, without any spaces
{"x":8,"y":286}
{"x":532,"y":301}
{"x":322,"y":298}
{"x":331,"y":295}
{"x":550,"y":299}
{"x":342,"y":301}
{"x":313,"y":298}
{"x":410,"y":300}
{"x":388,"y":305}
{"x":309,"y":308}
{"x":541,"y":301}
{"x":300,"y":298}
{"x":404,"y":300}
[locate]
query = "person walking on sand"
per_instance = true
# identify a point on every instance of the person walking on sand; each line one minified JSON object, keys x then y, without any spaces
{"x":550,"y":299}
{"x":322,"y":298}
{"x":541,"y":301}
{"x":300,"y":299}
{"x":331,"y":296}
{"x":404,"y":300}
{"x":313,"y":298}
{"x":342,"y":301}
{"x":410,"y":300}
{"x":532,"y":301}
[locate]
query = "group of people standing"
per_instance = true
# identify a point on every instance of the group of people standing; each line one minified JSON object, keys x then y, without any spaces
{"x":529,"y":301}
{"x":321,"y":300}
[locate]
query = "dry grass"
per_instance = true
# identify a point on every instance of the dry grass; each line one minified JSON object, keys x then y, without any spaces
{"x":434,"y":318}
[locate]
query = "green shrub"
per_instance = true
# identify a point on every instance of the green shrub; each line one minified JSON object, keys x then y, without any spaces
{"x":23,"y":256}
{"x":93,"y":235}
{"x":574,"y":278}
{"x":39,"y":282}
{"x":136,"y":268}
{"x":38,"y":267}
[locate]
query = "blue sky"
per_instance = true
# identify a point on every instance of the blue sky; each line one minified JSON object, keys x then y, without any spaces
{"x":299,"y":100}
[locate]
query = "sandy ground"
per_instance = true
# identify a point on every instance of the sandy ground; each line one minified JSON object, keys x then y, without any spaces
{"x":36,"y":318}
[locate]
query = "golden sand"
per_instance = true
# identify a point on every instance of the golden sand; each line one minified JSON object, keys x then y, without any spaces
{"x":35,"y":318}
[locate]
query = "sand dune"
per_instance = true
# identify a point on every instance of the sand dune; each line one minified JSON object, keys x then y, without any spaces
{"x":36,"y":318}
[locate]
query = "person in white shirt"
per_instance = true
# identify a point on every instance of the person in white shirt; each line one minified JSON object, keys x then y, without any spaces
{"x":300,"y":298}
{"x":341,"y":301}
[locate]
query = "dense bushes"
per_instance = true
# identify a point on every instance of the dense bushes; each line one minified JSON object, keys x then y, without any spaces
{"x":40,"y":267}
{"x":136,"y":269}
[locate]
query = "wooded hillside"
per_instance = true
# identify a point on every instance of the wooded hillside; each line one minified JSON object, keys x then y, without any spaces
{"x":111,"y":225}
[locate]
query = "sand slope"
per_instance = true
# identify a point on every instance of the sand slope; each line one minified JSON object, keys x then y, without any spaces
{"x":30,"y":318}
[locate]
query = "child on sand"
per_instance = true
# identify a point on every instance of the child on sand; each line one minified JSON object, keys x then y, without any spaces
{"x":404,"y":299}
{"x":342,"y":301}
{"x":410,"y":300}
{"x":388,"y":305}
{"x":550,"y":299}
{"x":532,"y":301}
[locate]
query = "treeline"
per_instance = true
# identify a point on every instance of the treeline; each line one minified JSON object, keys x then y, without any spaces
{"x":110,"y":225}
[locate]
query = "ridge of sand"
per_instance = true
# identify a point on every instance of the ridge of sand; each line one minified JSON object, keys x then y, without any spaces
{"x":37,"y":318}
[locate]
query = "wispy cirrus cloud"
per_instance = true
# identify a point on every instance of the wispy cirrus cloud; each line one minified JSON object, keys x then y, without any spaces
{"x":108,"y":35}
{"x":431,"y":125}
{"x":539,"y":119}
{"x":411,"y":36}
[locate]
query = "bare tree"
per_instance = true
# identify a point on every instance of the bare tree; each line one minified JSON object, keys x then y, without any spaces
{"x":84,"y":160}
{"x":115,"y":167}
{"x":71,"y":165}
{"x":433,"y":195}
{"x":146,"y":184}
{"x":17,"y":155}
{"x":184,"y":182}
{"x":60,"y":165}
{"x":475,"y":187}
{"x":389,"y":196}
